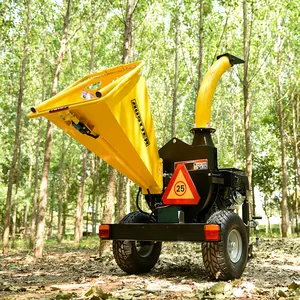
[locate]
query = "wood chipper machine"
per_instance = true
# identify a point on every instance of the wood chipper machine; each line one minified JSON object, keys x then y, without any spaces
{"x":189,"y":197}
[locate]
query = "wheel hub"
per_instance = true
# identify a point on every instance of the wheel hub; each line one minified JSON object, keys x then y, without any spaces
{"x":144,"y":249}
{"x":234,"y":245}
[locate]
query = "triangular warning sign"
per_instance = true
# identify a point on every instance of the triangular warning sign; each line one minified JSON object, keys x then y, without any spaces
{"x":181,"y":188}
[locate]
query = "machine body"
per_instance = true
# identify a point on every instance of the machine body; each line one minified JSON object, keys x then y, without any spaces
{"x":189,"y":197}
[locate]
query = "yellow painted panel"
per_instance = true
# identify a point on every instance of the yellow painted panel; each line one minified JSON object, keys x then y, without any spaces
{"x":119,"y":123}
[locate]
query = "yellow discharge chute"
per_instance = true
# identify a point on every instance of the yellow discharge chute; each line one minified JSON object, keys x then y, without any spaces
{"x":208,"y":86}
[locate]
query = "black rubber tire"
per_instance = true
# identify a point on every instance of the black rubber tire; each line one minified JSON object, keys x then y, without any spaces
{"x":218,"y":261}
{"x":128,"y":257}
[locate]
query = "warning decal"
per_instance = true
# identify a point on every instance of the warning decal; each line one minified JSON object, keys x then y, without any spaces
{"x":194,"y":165}
{"x":87,"y":95}
{"x":181,"y":188}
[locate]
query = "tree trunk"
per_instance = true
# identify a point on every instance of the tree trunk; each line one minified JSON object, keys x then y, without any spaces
{"x":93,"y":35}
{"x":93,"y":202}
{"x":296,"y":116}
{"x":80,"y":203}
{"x":234,"y":135}
{"x":269,"y":226}
{"x":15,"y":197}
{"x":14,"y":217}
{"x":109,"y":205}
{"x":176,"y":77}
{"x":247,"y":110}
{"x":96,"y":215}
{"x":25,"y":218}
{"x":64,"y":218}
{"x":200,"y":53}
{"x":17,"y":140}
{"x":60,"y":191}
{"x":128,"y":31}
{"x":41,"y":213}
{"x":36,"y":179}
{"x":291,"y":221}
{"x":120,"y":200}
{"x":128,"y":198}
{"x":39,"y":242}
{"x":96,"y":163}
{"x":50,"y":227}
{"x":284,"y":224}
{"x":87,"y":217}
{"x":37,"y":156}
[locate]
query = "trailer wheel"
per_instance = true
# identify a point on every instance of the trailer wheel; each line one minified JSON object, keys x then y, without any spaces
{"x":227,"y":258}
{"x":135,"y":257}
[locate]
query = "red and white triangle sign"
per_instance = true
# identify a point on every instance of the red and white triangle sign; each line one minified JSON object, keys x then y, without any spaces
{"x":181,"y":189}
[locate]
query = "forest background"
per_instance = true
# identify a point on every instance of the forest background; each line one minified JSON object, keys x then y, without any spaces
{"x":47,"y":45}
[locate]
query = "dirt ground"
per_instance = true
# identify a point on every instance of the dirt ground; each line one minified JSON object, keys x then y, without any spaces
{"x":65,"y":273}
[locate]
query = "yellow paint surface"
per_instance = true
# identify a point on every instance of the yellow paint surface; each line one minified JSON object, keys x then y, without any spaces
{"x":206,"y":91}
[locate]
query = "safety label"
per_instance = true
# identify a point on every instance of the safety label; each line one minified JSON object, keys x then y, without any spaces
{"x":194,"y":165}
{"x":87,"y":95}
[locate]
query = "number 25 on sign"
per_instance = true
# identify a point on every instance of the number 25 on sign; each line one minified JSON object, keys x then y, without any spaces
{"x":180,"y":188}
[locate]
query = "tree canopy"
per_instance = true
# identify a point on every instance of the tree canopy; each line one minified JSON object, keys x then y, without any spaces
{"x":160,"y":30}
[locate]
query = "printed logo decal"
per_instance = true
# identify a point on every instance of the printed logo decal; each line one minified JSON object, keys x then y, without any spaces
{"x":140,"y":121}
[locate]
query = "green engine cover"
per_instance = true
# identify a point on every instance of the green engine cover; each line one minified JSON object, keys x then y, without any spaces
{"x":168,"y":214}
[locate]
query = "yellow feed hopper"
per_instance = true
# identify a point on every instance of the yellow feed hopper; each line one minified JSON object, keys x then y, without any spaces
{"x":109,"y":113}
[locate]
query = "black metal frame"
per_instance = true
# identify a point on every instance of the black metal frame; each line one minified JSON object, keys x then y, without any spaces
{"x":211,"y":183}
{"x":189,"y":232}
